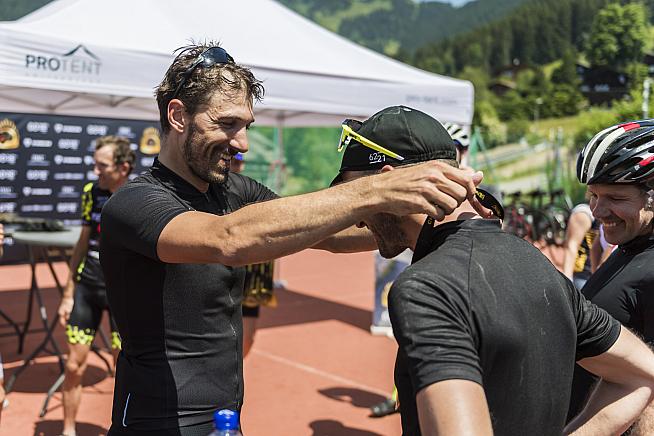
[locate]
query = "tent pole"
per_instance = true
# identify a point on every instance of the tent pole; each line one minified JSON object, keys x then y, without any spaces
{"x":281,"y":166}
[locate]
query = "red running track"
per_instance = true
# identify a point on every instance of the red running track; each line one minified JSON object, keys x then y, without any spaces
{"x":314,"y":369}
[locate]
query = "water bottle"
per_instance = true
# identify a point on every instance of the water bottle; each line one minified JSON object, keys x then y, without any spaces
{"x":226,"y":423}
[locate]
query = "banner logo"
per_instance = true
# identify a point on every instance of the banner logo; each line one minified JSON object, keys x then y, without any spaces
{"x":9,"y":137}
{"x":76,"y":63}
{"x":150,"y":141}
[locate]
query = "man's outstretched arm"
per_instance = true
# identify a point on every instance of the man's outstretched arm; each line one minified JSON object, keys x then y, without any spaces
{"x":454,"y":407}
{"x":276,"y":228}
{"x":626,"y":388}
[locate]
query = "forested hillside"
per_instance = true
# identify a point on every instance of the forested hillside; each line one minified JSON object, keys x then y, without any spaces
{"x":536,"y":33}
{"x":14,"y":9}
{"x":398,"y":26}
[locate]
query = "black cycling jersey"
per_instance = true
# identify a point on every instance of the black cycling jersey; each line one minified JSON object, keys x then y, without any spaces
{"x":623,"y":286}
{"x":482,"y":305}
{"x":89,"y":271}
{"x":180,"y":324}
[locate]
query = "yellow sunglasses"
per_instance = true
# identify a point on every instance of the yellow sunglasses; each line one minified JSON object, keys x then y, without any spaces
{"x":348,"y":133}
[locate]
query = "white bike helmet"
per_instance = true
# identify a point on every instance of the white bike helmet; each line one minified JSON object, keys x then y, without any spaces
{"x":623,"y":153}
{"x":459,"y":134}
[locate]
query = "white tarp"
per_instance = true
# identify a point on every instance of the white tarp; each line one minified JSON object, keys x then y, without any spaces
{"x":104,"y":57}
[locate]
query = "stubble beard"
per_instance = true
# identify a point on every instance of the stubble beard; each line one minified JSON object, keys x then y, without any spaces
{"x":388,"y":234}
{"x":199,"y":165}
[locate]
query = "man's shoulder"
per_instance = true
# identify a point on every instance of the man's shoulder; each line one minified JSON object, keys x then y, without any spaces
{"x":441,"y":271}
{"x":141,"y":189}
{"x":637,"y":270}
{"x":239,"y":183}
{"x":142,"y":182}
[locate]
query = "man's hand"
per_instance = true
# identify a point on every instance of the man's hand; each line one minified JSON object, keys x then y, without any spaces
{"x":65,"y":309}
{"x":433,"y":188}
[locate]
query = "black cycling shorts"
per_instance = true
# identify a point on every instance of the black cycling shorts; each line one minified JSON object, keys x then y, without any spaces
{"x":90,"y":302}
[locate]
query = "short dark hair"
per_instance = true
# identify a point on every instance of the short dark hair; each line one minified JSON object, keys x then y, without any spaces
{"x":122,"y":149}
{"x":230,"y":79}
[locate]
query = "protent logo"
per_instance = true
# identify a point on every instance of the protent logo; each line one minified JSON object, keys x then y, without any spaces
{"x":9,"y":137}
{"x":76,"y":63}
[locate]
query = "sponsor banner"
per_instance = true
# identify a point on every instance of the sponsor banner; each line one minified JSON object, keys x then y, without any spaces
{"x":46,"y":160}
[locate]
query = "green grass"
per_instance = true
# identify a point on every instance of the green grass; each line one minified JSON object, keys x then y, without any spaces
{"x":545,"y":126}
{"x":332,"y":21}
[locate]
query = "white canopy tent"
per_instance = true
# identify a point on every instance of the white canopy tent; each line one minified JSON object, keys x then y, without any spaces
{"x":104,"y":57}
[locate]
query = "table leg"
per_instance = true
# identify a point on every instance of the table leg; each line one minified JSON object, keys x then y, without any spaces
{"x":50,"y":393}
{"x":11,"y":322}
{"x":33,"y":286}
{"x":36,"y":292}
{"x":48,"y":338}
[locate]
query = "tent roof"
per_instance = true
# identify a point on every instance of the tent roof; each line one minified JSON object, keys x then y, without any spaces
{"x":312,"y":76}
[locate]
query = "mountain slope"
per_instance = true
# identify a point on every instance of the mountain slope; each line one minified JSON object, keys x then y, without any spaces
{"x":388,"y":25}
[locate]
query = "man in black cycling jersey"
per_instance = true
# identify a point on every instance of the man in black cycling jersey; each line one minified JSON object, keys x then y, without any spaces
{"x":84,"y":298}
{"x":618,"y":167}
{"x":174,"y":240}
{"x":488,"y":330}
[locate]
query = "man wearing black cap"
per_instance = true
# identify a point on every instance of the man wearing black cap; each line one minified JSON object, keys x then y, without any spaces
{"x":174,"y":240}
{"x":488,"y":330}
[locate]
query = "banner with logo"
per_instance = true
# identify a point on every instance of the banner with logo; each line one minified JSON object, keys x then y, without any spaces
{"x":45,"y":160}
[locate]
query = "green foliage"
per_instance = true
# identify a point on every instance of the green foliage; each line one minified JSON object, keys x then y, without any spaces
{"x":407,"y":23}
{"x":14,"y":9}
{"x":617,"y":36}
{"x":535,"y":33}
{"x":591,"y":122}
{"x":512,"y":106}
{"x":311,"y":158}
{"x":566,"y":73}
{"x":564,"y":100}
{"x":516,"y":130}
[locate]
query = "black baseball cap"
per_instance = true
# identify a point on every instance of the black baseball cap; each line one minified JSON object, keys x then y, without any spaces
{"x":410,"y":133}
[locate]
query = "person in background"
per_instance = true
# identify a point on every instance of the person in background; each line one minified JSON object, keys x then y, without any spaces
{"x":258,"y":287}
{"x":617,"y":165}
{"x":461,"y":136}
{"x":488,"y":330}
{"x":581,"y":232}
{"x":600,"y":250}
{"x":84,"y":298}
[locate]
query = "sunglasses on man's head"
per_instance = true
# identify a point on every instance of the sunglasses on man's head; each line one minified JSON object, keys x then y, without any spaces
{"x":208,"y":58}
{"x":349,"y":133}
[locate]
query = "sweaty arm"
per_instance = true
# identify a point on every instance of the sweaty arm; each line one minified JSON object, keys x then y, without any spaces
{"x":82,"y":246}
{"x":438,"y":373}
{"x":454,"y":407}
{"x":351,"y":240}
{"x":645,"y":424}
{"x":578,"y":225}
{"x":623,"y":393}
{"x":263,"y":231}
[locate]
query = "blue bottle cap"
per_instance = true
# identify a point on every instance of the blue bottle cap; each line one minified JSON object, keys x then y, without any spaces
{"x":225,"y":419}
